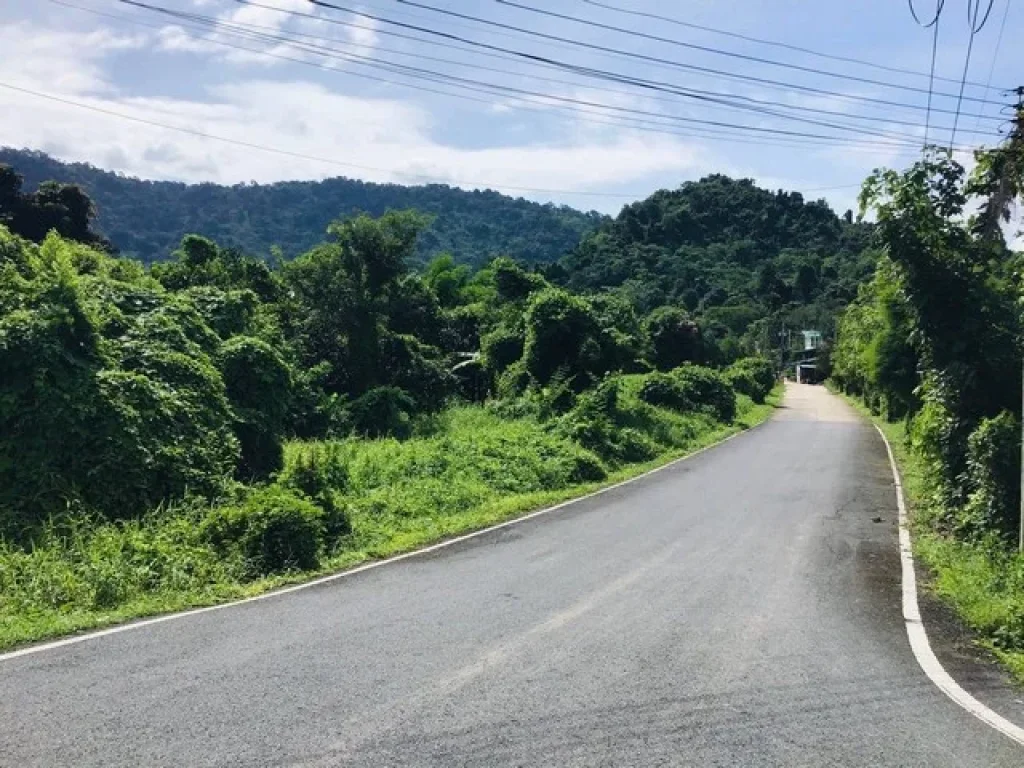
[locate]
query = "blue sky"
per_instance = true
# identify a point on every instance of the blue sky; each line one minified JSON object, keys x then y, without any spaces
{"x":314,"y":90}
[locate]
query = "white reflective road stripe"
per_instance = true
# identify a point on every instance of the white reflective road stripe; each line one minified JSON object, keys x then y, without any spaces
{"x":919,"y":637}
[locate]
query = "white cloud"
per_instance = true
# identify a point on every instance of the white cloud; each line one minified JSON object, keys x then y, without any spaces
{"x":175,"y":38}
{"x":364,"y":37}
{"x":65,"y":61}
{"x":383,"y":139}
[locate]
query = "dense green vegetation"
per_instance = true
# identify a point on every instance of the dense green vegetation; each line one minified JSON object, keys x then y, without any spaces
{"x":471,"y":467}
{"x":147,"y":219}
{"x":934,"y":340}
{"x":214,"y":423}
{"x":744,"y":262}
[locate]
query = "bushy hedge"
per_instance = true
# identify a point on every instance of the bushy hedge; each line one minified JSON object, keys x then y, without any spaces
{"x":993,"y":479}
{"x":665,"y":391}
{"x":317,"y":471}
{"x":274,"y":530}
{"x":708,"y":389}
{"x":259,"y":387}
{"x":596,"y":423}
{"x":752,"y":376}
{"x":690,"y":388}
{"x":109,"y":395}
{"x":383,"y":412}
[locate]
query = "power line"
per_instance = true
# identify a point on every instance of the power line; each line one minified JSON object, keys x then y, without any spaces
{"x":995,"y":57}
{"x":331,"y":161}
{"x":775,"y":43}
{"x":934,"y":23}
{"x":248,"y":27}
{"x":628,"y":122}
{"x":607,"y":49}
{"x":355,"y":58}
{"x":702,"y":48}
{"x":471,"y":84}
{"x":587,"y":70}
{"x":314,"y":158}
{"x":973,"y":9}
{"x":600,"y":74}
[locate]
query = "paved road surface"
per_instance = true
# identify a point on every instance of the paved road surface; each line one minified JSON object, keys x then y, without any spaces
{"x":739,"y":609}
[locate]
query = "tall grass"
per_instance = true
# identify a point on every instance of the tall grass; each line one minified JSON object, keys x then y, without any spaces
{"x":469,"y":468}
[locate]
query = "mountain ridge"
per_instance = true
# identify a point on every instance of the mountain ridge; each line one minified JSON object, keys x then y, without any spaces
{"x":146,"y":219}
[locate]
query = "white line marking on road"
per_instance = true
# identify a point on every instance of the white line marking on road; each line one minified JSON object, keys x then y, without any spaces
{"x":919,"y":637}
{"x":54,"y":644}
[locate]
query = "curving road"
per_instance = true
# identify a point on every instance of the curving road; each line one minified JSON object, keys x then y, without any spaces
{"x":741,"y":608}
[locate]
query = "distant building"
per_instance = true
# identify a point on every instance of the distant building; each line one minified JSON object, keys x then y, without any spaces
{"x":812,"y":339}
{"x":807,"y":366}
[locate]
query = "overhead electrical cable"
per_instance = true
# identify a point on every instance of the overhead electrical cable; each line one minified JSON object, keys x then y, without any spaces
{"x":694,"y":46}
{"x":587,"y":70}
{"x":975,"y":25}
{"x":608,"y":49}
{"x":775,"y":43}
{"x":520,"y":92}
{"x":934,"y":24}
{"x":626,"y":122}
{"x":995,"y":57}
{"x":238,"y":27}
{"x":314,"y":158}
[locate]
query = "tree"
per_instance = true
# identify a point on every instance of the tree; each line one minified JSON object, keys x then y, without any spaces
{"x":562,"y":333}
{"x":675,"y":338}
{"x":63,"y":208}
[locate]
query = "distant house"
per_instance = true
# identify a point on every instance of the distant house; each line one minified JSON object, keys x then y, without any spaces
{"x":807,"y":365}
{"x":812,"y":340}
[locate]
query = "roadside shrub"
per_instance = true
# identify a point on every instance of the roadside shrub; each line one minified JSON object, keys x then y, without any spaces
{"x":383,"y":412}
{"x":675,"y":338}
{"x":108,"y":394}
{"x":707,"y":388}
{"x":593,"y":425}
{"x":744,"y":383}
{"x":562,"y":334}
{"x":752,"y":376}
{"x":317,"y":471}
{"x":273,"y":530}
{"x":992,"y":478}
{"x":664,"y":391}
{"x":556,"y":398}
{"x":414,"y":367}
{"x":259,"y":388}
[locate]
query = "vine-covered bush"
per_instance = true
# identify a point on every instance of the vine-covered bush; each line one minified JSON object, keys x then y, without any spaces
{"x":273,"y":530}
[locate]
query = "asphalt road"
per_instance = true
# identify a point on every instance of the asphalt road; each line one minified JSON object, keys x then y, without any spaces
{"x":741,"y":608}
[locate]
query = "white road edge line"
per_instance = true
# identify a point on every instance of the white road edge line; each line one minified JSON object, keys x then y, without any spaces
{"x":915,"y":626}
{"x":132,"y":625}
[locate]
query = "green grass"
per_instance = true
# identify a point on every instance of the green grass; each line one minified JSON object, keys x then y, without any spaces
{"x":983,"y":582}
{"x":472,"y":470}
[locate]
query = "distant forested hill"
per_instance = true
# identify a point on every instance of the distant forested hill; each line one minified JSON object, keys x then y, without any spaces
{"x":147,"y":219}
{"x":747,"y":262}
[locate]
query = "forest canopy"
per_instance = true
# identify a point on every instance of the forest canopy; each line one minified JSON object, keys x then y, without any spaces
{"x":147,"y":219}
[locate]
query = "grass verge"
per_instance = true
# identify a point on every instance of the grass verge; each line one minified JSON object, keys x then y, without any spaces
{"x":475,"y":470}
{"x":982,"y":581}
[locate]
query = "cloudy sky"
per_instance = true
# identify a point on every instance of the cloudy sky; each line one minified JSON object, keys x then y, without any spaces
{"x":486,"y":93}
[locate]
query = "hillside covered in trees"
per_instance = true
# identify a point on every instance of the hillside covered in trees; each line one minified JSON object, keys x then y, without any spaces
{"x":225,"y":418}
{"x":746,"y":262}
{"x":147,"y":219}
{"x":174,"y":433}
